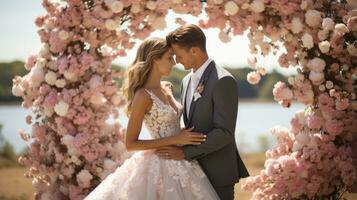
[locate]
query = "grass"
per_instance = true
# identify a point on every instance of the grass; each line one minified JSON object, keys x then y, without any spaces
{"x":14,"y":185}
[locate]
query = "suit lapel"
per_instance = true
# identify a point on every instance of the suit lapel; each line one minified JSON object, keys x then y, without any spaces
{"x":185,"y":119}
{"x":203,"y":80}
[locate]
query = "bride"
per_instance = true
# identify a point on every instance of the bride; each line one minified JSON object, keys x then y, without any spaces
{"x":145,"y":175}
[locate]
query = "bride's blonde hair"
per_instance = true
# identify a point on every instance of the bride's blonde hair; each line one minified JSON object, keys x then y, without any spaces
{"x":139,"y":71}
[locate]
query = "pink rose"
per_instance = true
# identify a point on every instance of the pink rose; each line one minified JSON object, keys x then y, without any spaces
{"x":253,"y":77}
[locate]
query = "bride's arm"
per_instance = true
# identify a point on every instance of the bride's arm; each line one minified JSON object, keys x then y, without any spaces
{"x":140,"y":105}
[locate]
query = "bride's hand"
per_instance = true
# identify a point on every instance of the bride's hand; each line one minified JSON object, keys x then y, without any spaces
{"x":168,"y":87}
{"x":188,"y":137}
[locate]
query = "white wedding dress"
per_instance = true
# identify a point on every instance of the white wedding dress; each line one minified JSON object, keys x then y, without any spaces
{"x":146,"y":176}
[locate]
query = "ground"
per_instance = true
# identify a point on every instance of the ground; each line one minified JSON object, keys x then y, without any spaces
{"x":14,"y":186}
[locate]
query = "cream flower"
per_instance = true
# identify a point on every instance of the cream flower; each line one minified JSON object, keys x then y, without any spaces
{"x":151,"y":5}
{"x":110,"y":24}
{"x":106,"y":50}
{"x":51,"y":78}
{"x":313,"y":18}
{"x":60,"y":83}
{"x":116,"y":6}
{"x":17,"y":90}
{"x":98,"y":98}
{"x":324,"y":46}
{"x":296,"y":25}
{"x":61,"y":108}
{"x":63,"y":35}
{"x":328,"y":24}
{"x":257,"y":6}
{"x":323,"y":34}
{"x":84,"y":177}
{"x":307,"y":41}
{"x":36,"y":76}
{"x":231,"y":8}
{"x":341,"y":28}
{"x":135,"y":8}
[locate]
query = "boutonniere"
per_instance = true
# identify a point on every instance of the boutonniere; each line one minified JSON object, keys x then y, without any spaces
{"x":199,"y":91}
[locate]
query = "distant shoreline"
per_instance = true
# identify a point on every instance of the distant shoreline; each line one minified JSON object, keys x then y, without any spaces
{"x":18,"y":103}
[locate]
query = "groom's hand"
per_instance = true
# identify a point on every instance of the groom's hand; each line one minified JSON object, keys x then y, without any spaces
{"x":171,"y":152}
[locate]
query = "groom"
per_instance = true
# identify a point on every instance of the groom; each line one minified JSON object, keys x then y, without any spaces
{"x":210,"y":99}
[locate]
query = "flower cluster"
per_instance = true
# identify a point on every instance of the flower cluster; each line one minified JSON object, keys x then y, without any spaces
{"x":71,"y":91}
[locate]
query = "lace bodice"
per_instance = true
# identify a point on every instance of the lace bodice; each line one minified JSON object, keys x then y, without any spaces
{"x":162,"y":120}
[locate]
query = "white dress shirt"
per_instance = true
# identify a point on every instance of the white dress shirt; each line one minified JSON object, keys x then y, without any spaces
{"x":195,"y":78}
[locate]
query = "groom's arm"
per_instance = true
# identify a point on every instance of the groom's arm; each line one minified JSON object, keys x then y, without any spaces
{"x":225,"y":102}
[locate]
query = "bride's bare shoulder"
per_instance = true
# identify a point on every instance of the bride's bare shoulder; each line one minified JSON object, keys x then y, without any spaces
{"x":141,"y":96}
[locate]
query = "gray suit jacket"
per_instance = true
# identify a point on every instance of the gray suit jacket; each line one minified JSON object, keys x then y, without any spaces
{"x":215,"y":114}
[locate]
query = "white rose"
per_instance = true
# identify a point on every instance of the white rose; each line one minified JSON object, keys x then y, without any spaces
{"x":61,"y":108}
{"x":110,"y":24}
{"x":324,"y":46}
{"x":313,"y":18}
{"x":322,"y":88}
{"x":116,"y":7}
{"x":316,"y":64}
{"x":84,"y":177}
{"x":135,"y":8}
{"x":70,"y":76}
{"x":106,"y":50}
{"x":316,"y":77}
{"x":307,"y":41}
{"x":151,"y":5}
{"x":98,"y":98}
{"x":41,"y":62}
{"x":67,"y":140}
{"x":328,"y":24}
{"x":109,"y":164}
{"x":329,"y":84}
{"x":17,"y":90}
{"x":303,"y":138}
{"x":51,"y":78}
{"x":352,"y":50}
{"x":49,"y":24}
{"x":257,"y":6}
{"x":231,"y":8}
{"x":45,"y":50}
{"x":63,"y":35}
{"x":296,"y":25}
{"x":323,"y":34}
{"x":291,"y":80}
{"x":36,"y":76}
{"x":342,"y":28}
{"x":60,"y":83}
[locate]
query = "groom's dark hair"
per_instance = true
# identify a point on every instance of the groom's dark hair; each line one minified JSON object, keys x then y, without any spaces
{"x":187,"y":36}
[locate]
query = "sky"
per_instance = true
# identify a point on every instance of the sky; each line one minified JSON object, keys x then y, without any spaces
{"x":18,"y":38}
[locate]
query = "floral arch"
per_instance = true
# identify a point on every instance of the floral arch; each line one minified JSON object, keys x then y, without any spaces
{"x":71,"y":91}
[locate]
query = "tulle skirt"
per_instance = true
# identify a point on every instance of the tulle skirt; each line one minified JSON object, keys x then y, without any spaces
{"x":147,"y":176}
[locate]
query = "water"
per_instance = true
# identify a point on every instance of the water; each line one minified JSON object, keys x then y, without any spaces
{"x":254,"y":120}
